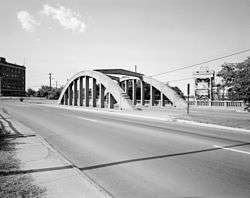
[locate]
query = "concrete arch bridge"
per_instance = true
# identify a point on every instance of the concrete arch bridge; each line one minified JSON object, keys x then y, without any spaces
{"x":108,"y":88}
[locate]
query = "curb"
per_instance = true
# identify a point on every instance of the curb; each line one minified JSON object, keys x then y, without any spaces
{"x":82,"y":175}
{"x":167,"y":119}
{"x":212,"y":125}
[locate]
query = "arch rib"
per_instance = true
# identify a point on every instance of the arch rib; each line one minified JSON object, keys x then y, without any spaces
{"x":172,"y":95}
{"x":106,"y":81}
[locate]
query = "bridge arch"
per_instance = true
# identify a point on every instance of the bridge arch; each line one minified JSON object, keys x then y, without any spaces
{"x":163,"y":88}
{"x":115,"y":91}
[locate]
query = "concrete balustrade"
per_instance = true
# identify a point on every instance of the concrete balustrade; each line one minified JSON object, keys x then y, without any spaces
{"x":218,"y":104}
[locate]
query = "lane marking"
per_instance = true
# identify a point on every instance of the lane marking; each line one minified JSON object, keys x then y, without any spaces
{"x":231,"y":149}
{"x":82,"y":118}
{"x":88,"y":119}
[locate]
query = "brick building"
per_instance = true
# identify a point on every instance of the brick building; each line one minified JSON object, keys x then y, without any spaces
{"x":12,"y":79}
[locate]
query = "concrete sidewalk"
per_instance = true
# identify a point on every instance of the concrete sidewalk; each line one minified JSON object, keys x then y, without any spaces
{"x":30,"y":167}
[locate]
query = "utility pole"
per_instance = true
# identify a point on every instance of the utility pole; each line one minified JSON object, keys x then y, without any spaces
{"x":0,"y":86}
{"x":188,"y":92}
{"x":50,"y":78}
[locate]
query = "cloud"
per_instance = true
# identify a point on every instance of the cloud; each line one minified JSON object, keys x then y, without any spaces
{"x":66,"y":17}
{"x":27,"y":21}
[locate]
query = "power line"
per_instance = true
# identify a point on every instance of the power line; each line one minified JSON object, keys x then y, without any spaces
{"x":180,"y":79}
{"x":204,"y":62}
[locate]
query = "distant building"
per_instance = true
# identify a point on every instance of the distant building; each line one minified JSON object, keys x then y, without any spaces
{"x":12,"y":79}
{"x":204,"y":88}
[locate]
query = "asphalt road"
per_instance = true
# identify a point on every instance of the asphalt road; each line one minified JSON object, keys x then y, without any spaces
{"x":131,"y":157}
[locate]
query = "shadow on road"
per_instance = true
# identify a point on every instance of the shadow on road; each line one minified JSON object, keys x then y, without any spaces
{"x":160,"y":156}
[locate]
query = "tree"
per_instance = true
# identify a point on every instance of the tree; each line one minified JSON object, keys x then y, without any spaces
{"x":236,"y":77}
{"x":31,"y":92}
{"x":43,"y":91}
{"x":54,"y":94}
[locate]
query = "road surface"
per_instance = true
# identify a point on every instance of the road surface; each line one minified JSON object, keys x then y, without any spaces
{"x":132,"y":157}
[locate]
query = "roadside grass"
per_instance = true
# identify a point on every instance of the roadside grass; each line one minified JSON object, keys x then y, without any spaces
{"x":14,"y":186}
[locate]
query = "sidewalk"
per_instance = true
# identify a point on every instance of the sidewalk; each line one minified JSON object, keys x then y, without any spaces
{"x":228,"y":120}
{"x":30,"y":167}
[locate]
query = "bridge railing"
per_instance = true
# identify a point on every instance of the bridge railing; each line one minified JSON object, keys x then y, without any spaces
{"x":218,"y":103}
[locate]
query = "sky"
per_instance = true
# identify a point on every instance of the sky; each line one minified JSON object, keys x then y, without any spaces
{"x":64,"y":37}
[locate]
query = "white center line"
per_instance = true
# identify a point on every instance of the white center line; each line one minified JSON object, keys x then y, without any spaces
{"x":231,"y":149}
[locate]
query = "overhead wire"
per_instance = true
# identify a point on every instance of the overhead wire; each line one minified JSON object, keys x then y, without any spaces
{"x":204,"y":62}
